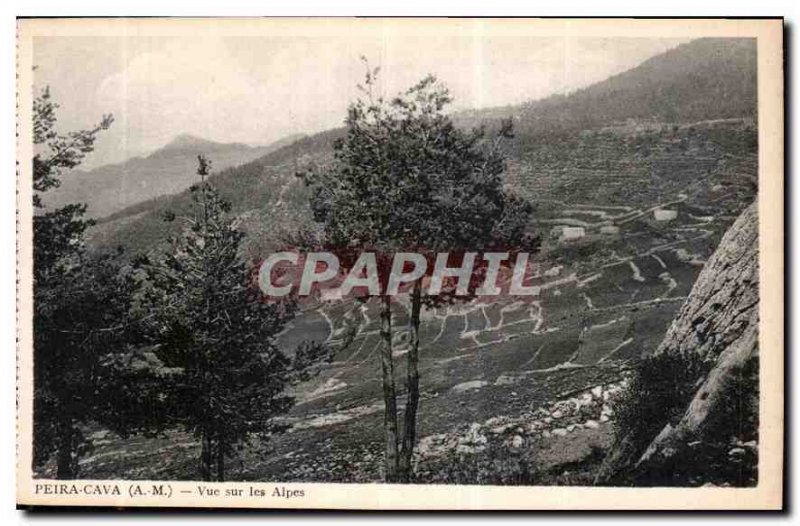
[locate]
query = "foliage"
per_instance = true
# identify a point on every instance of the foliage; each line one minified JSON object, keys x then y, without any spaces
{"x":80,"y":303}
{"x":405,"y":178}
{"x":80,"y":323}
{"x":56,"y":152}
{"x":665,"y":385}
{"x":662,"y":385}
{"x":551,"y":156}
{"x":216,"y":335}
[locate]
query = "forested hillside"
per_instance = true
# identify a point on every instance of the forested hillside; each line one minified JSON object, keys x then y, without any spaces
{"x":168,"y":170}
{"x":635,"y":136}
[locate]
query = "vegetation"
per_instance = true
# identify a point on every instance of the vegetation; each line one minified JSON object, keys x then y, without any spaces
{"x":661,"y":384}
{"x":179,"y":344}
{"x":212,"y":329}
{"x":665,"y":384}
{"x":406,"y":179}
{"x":141,"y":347}
{"x":79,"y":302}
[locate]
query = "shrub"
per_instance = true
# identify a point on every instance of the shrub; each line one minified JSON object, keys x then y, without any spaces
{"x":658,"y":392}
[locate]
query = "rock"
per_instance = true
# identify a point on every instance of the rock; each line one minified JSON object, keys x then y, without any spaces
{"x":534,"y":426}
{"x":517,"y":442}
{"x":591,"y":424}
{"x":570,"y":428}
{"x":493,"y":421}
{"x":468,"y":386}
{"x":547,"y":420}
{"x":473,"y":436}
{"x":553,"y":271}
{"x":505,"y":379}
{"x":557,"y":414}
{"x":597,"y":392}
{"x":731,"y":278}
{"x":604,"y":418}
{"x":468,"y":450}
{"x":560,"y":432}
{"x":709,"y":485}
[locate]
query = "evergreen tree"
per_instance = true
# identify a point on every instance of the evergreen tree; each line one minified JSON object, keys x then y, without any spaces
{"x":406,"y":179}
{"x":213,"y":330}
{"x":80,"y":302}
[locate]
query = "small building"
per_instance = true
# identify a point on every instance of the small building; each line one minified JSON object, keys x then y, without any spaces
{"x":331,"y":294}
{"x":572,"y":232}
{"x":609,"y":230}
{"x":665,"y":215}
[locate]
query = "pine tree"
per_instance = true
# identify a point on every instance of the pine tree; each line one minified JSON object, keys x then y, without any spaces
{"x":406,"y":179}
{"x":80,"y":302}
{"x":213,"y":330}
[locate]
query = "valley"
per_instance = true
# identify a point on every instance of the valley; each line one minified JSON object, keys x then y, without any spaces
{"x":628,"y":208}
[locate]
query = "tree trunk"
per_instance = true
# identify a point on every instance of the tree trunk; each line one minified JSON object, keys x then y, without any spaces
{"x":389,"y":394}
{"x":65,"y":446}
{"x":412,"y":386}
{"x":205,"y":456}
{"x":220,"y":459}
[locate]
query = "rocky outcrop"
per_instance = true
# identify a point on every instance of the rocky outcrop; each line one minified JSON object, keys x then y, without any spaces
{"x":723,"y":303}
{"x":719,"y":322}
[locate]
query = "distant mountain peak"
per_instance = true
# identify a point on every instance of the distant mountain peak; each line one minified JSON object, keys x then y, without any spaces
{"x":187,"y":140}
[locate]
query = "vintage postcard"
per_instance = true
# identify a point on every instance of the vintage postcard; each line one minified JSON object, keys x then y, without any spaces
{"x":400,"y":264}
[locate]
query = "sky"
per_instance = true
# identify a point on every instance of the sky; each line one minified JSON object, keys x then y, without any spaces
{"x":257,"y":90}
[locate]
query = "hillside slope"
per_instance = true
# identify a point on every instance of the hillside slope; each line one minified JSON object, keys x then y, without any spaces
{"x":681,"y":118}
{"x":705,"y":79}
{"x":168,"y":170}
{"x":504,"y":373}
{"x":719,"y":322}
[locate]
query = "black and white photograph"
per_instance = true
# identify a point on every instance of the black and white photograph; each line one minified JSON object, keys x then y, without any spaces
{"x":260,"y":258}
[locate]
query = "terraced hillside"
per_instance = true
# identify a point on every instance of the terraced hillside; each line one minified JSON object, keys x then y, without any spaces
{"x":647,"y":200}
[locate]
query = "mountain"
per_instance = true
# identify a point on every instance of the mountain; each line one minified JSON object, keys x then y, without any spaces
{"x":168,"y":170}
{"x":705,"y":79}
{"x":685,"y":117}
{"x":676,"y":133}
